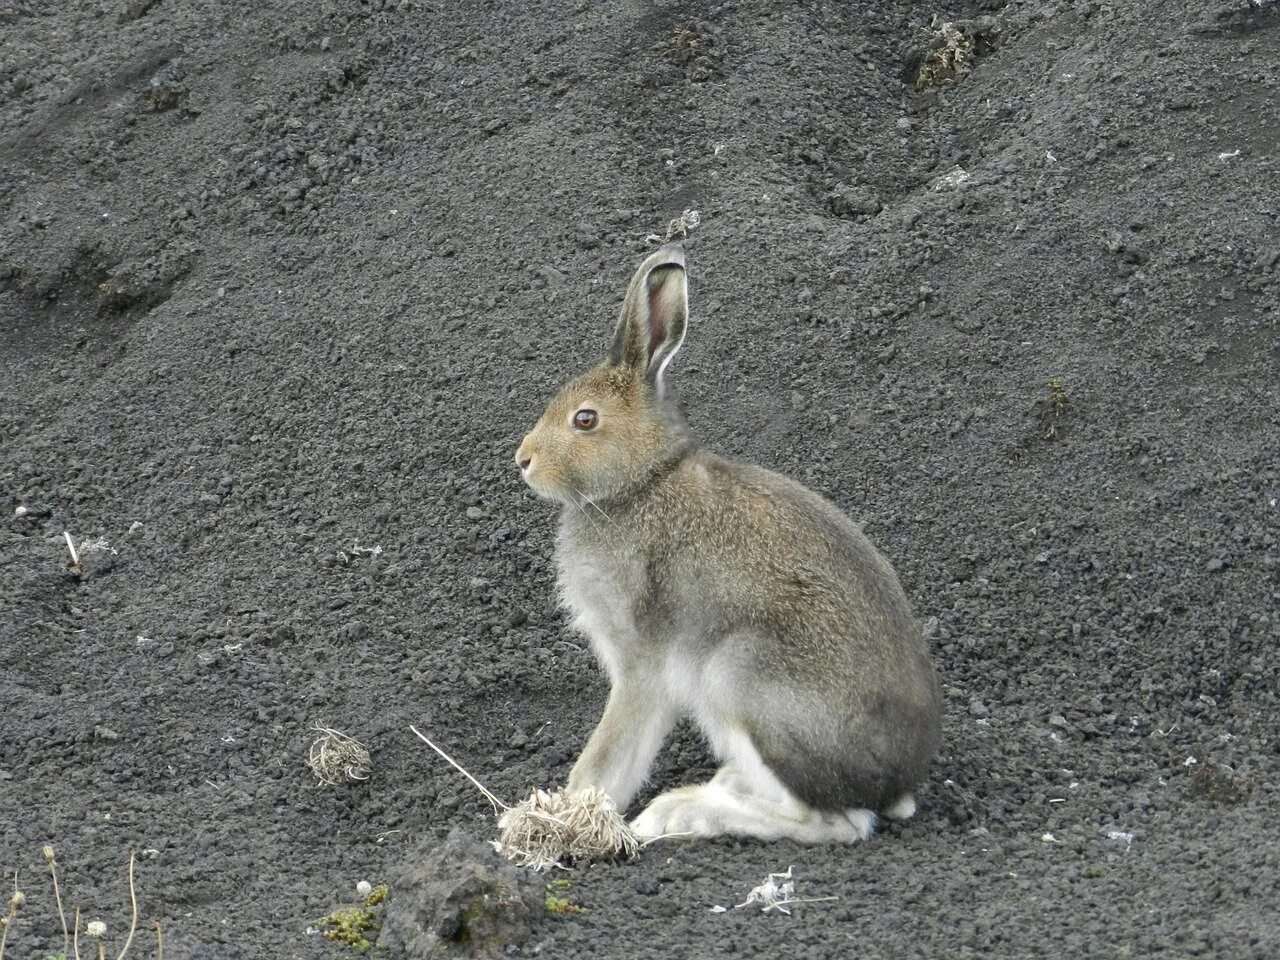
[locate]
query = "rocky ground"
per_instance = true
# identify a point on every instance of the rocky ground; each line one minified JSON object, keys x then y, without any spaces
{"x":282,"y":284}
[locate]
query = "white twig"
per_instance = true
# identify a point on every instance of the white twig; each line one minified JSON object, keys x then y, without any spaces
{"x":133,"y":923}
{"x":75,"y":557}
{"x":498,"y":805}
{"x":772,"y":895}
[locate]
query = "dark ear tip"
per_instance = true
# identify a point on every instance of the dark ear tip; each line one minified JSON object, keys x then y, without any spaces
{"x":669,"y":254}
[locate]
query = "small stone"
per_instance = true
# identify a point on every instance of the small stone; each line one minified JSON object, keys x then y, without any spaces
{"x":206,"y":659}
{"x":145,"y":645}
{"x":850,"y":201}
{"x":1058,"y":720}
{"x":951,"y":179}
{"x":105,"y":733}
{"x":474,"y":513}
{"x":978,"y":709}
{"x":363,"y":889}
{"x":648,"y":886}
{"x":1215,"y":565}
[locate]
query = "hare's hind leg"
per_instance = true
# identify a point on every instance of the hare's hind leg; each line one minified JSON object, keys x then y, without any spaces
{"x":745,"y":799}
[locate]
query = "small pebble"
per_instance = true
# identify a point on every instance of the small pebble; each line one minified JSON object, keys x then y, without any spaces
{"x":648,"y":886}
{"x":363,"y":889}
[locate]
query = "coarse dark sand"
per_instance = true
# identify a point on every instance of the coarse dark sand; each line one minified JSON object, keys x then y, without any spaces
{"x":282,"y":284}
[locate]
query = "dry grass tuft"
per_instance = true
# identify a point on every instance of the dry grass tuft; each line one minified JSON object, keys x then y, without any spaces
{"x":555,"y":828}
{"x":552,"y":829}
{"x":950,"y":58}
{"x":681,"y":225}
{"x":336,"y":758}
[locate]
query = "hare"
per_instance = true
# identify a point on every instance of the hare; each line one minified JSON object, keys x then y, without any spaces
{"x":730,"y":595}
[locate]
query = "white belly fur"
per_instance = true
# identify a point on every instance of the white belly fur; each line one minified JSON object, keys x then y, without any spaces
{"x":600,"y":606}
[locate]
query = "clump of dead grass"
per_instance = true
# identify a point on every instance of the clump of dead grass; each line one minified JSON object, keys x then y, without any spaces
{"x":680,"y":226}
{"x":555,"y":828}
{"x":551,"y":828}
{"x":1219,"y":784}
{"x":1054,"y":408}
{"x":337,"y":758}
{"x":950,"y":56}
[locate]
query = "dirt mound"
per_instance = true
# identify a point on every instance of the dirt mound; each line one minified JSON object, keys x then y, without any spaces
{"x":282,"y":285}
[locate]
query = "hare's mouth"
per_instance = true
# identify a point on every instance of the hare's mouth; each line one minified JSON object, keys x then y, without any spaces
{"x":559,"y":493}
{"x":540,"y":487}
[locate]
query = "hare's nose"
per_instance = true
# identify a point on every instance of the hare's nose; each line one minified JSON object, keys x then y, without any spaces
{"x":524,"y":455}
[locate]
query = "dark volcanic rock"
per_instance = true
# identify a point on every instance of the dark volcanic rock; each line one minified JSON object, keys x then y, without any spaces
{"x":459,"y":898}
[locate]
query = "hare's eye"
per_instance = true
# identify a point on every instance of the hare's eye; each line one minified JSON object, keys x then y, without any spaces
{"x":586,"y":419}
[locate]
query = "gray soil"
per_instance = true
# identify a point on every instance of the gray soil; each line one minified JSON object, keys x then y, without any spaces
{"x":283,"y":283}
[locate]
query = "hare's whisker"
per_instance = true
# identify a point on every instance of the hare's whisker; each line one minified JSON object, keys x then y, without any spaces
{"x":608,"y":519}
{"x":583,"y":511}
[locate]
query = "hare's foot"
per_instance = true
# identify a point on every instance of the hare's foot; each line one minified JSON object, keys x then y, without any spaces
{"x":712,"y":810}
{"x":904,"y":808}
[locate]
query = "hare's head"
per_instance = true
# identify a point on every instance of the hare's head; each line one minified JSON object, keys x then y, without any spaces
{"x":610,"y":431}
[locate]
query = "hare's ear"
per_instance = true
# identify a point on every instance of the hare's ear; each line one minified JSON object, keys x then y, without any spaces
{"x":654,"y":316}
